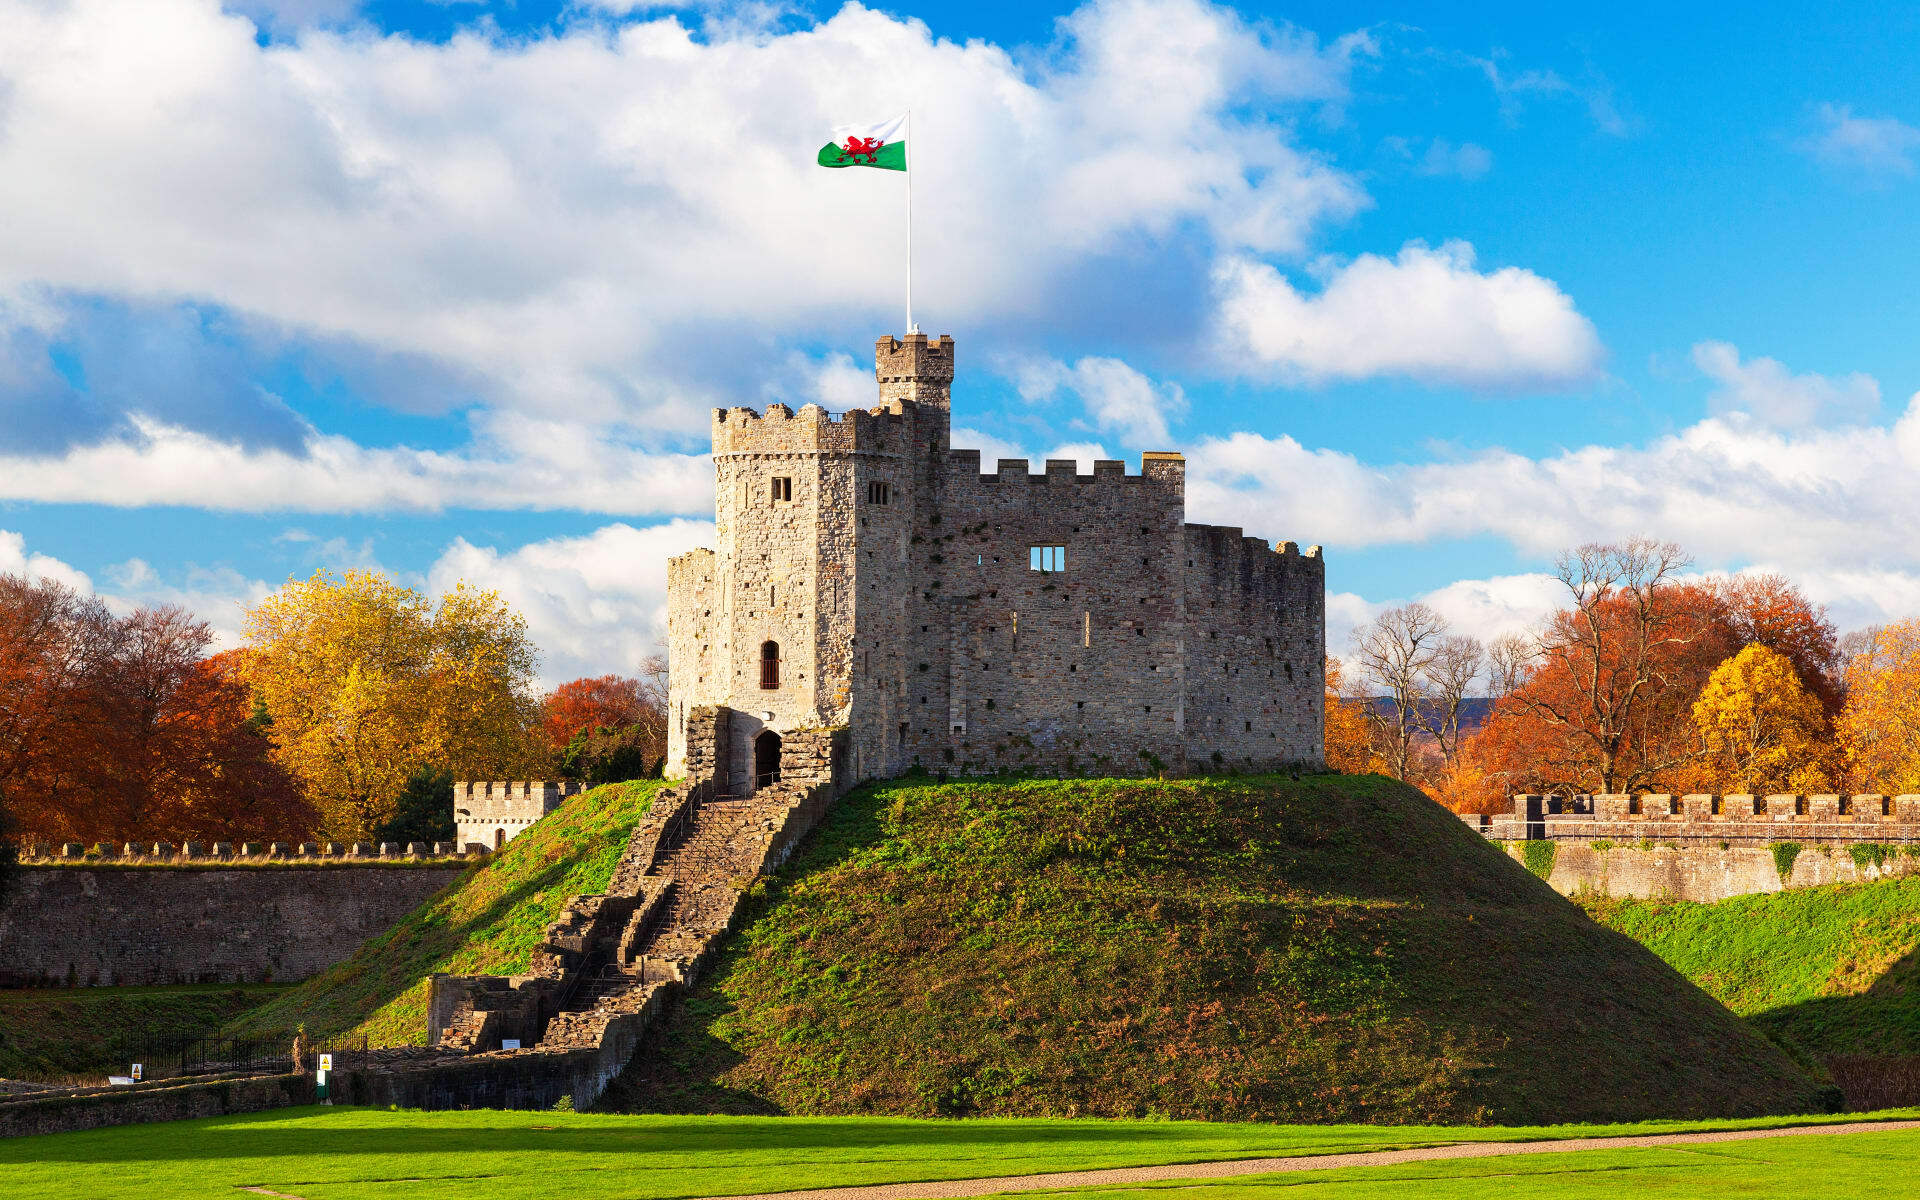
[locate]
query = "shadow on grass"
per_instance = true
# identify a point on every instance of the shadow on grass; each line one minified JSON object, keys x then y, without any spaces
{"x":1884,"y":1019}
{"x":701,"y":1144}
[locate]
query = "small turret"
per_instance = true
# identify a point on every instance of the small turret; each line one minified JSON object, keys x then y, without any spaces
{"x":916,"y":369}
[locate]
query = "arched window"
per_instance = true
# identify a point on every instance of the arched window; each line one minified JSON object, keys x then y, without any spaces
{"x":770,"y":665}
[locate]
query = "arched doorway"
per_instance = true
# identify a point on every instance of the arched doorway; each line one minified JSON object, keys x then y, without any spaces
{"x":499,"y":838}
{"x":766,"y":760}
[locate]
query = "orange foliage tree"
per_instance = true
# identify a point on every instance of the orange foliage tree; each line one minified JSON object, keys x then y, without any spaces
{"x":1879,"y":727}
{"x":121,"y":729}
{"x":1349,"y":745}
{"x":1602,"y":697}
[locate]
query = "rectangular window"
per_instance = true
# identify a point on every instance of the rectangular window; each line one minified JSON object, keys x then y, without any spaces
{"x":1047,"y":558}
{"x":782,"y":489}
{"x":877,"y":493}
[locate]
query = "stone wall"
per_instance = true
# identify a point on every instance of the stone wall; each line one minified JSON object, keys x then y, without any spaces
{"x":1709,"y":847}
{"x":115,"y":925}
{"x":894,"y":579}
{"x":1704,"y":871}
{"x":162,"y":1100}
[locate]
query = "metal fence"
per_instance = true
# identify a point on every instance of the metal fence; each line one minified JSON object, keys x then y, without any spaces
{"x":198,"y":1056}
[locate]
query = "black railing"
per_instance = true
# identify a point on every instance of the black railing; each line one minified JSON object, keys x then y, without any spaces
{"x":199,"y":1056}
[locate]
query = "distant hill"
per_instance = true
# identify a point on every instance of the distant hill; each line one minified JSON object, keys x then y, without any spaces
{"x":1474,"y":710}
{"x":1328,"y":949}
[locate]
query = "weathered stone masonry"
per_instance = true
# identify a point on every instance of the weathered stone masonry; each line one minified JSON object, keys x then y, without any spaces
{"x":122,"y":925}
{"x":894,"y":587}
{"x":1708,"y":847}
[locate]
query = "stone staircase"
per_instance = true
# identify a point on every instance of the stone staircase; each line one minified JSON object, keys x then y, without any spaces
{"x":698,"y":876}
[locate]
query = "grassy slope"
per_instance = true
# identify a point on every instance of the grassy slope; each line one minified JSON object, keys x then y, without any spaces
{"x":1332,"y":949}
{"x":61,"y":1033}
{"x":1833,"y":969}
{"x":487,"y":922}
{"x":336,"y":1154}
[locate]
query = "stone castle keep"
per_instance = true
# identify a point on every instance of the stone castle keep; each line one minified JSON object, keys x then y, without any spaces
{"x":877,"y":603}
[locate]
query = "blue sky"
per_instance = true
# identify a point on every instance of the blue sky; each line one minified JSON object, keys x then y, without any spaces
{"x":447,"y":289}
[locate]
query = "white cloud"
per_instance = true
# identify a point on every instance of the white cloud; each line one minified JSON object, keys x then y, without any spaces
{"x":593,"y":604}
{"x":1116,"y":397}
{"x":1426,"y":315}
{"x":520,"y":462}
{"x":1480,"y":608}
{"x":1765,"y":388}
{"x":1871,"y":146}
{"x":618,"y":222}
{"x":1729,"y":489}
{"x":15,"y":560}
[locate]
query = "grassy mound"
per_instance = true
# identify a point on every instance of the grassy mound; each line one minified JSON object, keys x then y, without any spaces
{"x":1834,"y":970}
{"x":57,"y":1034}
{"x":487,"y":922}
{"x":1329,"y":949}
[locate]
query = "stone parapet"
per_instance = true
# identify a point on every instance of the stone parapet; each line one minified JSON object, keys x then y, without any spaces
{"x":219,"y":854}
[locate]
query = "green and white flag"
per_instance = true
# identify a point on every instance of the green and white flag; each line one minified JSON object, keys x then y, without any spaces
{"x":881,"y":144}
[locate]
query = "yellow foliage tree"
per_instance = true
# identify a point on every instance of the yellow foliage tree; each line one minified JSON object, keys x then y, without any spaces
{"x":1760,"y":727}
{"x":367,"y":681}
{"x":1349,"y":738}
{"x":1879,"y":728}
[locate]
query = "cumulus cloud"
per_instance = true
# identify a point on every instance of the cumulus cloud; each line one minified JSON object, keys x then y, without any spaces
{"x":1870,"y":146}
{"x":1730,"y":489}
{"x":1480,"y":608}
{"x":593,"y":604}
{"x":520,"y":462}
{"x":1116,"y":398}
{"x":1427,"y":314}
{"x":16,"y":560}
{"x":621,"y":222}
{"x":1765,"y":389}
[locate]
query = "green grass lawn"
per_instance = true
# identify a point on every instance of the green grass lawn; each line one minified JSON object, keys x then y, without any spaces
{"x":80,"y":1034}
{"x":1858,"y":1166}
{"x":1833,"y":969}
{"x":487,"y":922}
{"x":364,"y":1154}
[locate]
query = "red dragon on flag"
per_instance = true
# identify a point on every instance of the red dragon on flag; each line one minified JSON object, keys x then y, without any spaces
{"x":858,"y":148}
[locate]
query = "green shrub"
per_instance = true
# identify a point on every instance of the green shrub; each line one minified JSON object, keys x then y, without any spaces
{"x":1870,"y":854}
{"x":1538,"y":855}
{"x":1784,"y":853}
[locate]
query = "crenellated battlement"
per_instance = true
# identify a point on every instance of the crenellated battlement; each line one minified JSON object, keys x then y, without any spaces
{"x":78,"y":854}
{"x":965,"y":466}
{"x":780,"y":430}
{"x":1736,"y":818}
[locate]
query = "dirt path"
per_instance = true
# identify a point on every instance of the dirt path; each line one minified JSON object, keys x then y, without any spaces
{"x":947,"y":1189}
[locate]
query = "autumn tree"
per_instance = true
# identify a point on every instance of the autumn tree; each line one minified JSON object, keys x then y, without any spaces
{"x":1612,"y":676}
{"x":367,"y":681}
{"x":1770,"y":610}
{"x":121,"y":729}
{"x":1762,"y":729}
{"x":1349,"y":748}
{"x":1879,"y":727}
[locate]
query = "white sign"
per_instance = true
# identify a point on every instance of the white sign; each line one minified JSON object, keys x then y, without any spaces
{"x":136,"y":1072}
{"x":509,"y":1043}
{"x":326,"y":1062}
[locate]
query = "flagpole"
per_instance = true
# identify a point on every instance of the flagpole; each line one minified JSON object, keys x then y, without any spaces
{"x":911,"y":327}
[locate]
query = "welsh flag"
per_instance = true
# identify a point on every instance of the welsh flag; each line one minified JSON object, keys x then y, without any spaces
{"x":881,"y":144}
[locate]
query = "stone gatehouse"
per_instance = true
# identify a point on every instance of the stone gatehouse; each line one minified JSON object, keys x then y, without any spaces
{"x":867,"y":576}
